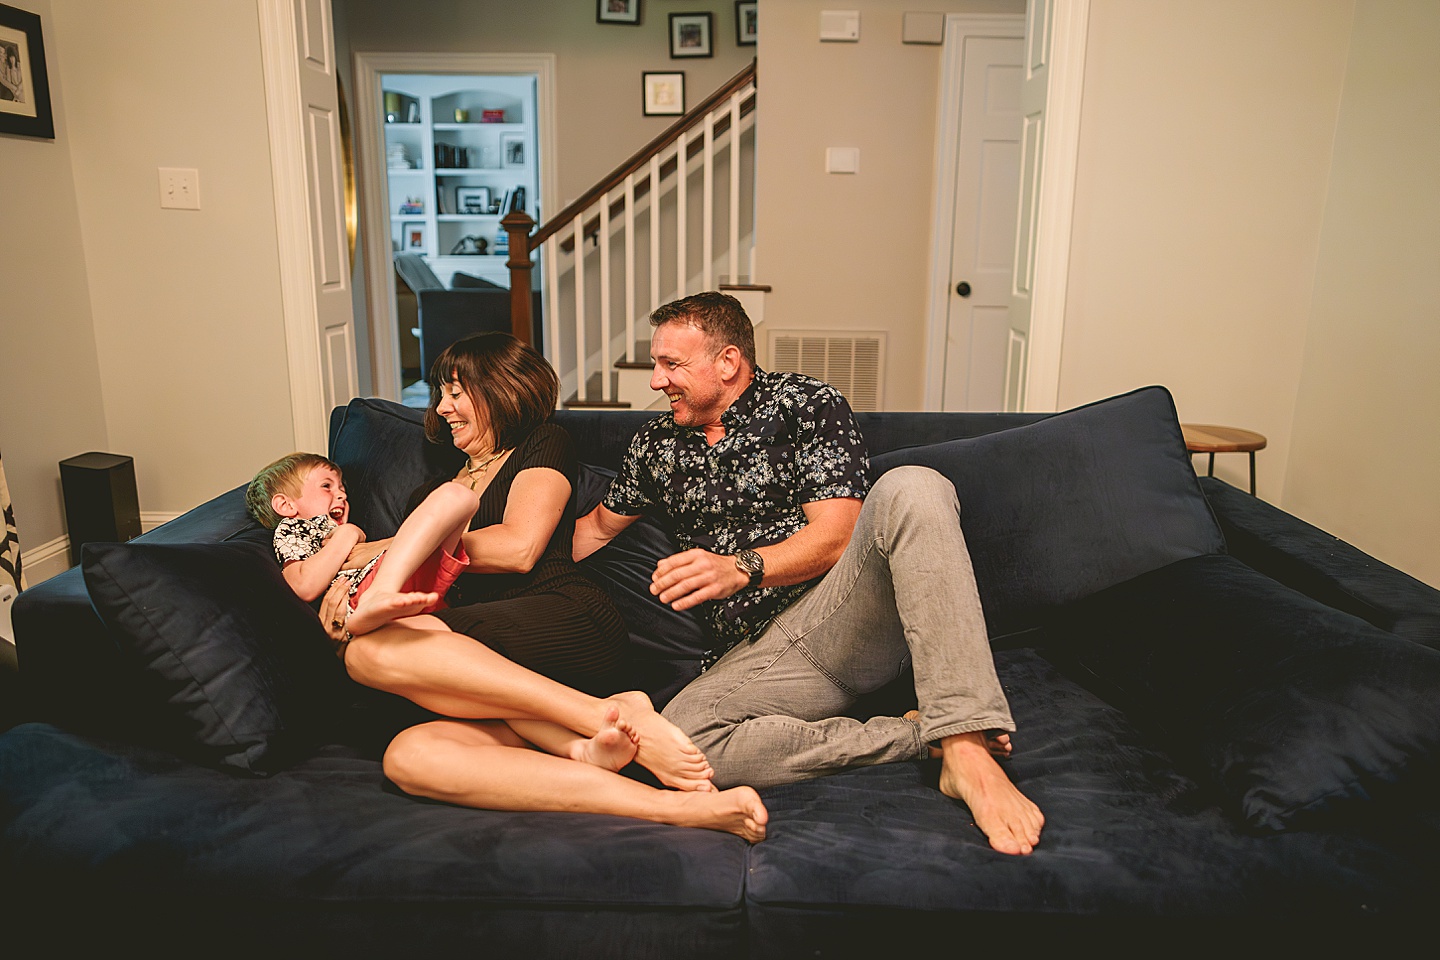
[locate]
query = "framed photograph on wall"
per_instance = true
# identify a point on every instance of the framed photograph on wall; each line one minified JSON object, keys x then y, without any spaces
{"x":745,"y":23}
{"x":472,"y":200}
{"x":412,"y":236}
{"x":691,"y":35}
{"x":24,"y":82}
{"x":618,"y":11}
{"x":663,"y":93}
{"x":512,"y":149}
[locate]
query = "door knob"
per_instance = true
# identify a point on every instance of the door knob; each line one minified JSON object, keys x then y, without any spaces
{"x":962,"y":288}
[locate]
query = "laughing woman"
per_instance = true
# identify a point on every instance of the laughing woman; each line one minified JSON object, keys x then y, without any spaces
{"x":514,"y":662}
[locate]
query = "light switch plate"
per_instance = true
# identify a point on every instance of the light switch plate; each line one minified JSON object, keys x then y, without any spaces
{"x":842,"y":159}
{"x":841,"y":26}
{"x":179,"y":188}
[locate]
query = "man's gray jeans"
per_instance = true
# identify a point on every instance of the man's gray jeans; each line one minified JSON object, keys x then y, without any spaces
{"x":769,"y":712}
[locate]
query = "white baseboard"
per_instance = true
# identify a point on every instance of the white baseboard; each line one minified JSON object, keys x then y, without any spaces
{"x":45,"y":561}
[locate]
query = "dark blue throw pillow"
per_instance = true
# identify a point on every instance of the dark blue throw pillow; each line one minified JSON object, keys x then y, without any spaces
{"x":665,"y":644}
{"x":381,"y":448}
{"x":1056,"y":510}
{"x":246,"y":668}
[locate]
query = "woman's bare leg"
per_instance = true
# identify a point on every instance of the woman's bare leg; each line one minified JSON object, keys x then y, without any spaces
{"x":419,"y":658}
{"x":488,"y":766}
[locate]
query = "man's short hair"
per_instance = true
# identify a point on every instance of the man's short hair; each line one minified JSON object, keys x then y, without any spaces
{"x":286,"y":475}
{"x":717,"y":315}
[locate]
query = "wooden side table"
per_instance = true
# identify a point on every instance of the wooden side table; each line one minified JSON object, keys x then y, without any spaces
{"x":1211,"y":439}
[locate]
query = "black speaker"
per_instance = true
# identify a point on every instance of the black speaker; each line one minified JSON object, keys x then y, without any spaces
{"x":101,"y":505}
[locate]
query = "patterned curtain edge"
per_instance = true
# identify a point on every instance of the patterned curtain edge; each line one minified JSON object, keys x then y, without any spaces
{"x":11,"y":568}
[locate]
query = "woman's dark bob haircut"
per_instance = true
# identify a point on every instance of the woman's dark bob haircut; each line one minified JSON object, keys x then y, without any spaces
{"x":509,"y":382}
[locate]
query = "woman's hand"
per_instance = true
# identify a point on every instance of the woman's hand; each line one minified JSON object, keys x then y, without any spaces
{"x":365,"y":551}
{"x":335,"y":610}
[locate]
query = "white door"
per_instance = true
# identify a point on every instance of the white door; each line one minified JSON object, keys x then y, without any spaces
{"x":324,"y":153}
{"x":302,"y":103}
{"x":977,"y":328}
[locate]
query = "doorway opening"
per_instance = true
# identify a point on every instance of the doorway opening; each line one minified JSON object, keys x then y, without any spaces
{"x":460,"y":152}
{"x":449,"y":143}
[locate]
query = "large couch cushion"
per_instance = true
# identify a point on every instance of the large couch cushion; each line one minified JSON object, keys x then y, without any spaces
{"x":381,"y":448}
{"x":876,"y":862}
{"x":1295,"y":711}
{"x":325,"y":859}
{"x":1056,"y":510}
{"x":242,"y":661}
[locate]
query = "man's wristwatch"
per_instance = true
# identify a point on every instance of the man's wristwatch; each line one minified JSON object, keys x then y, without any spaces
{"x":752,"y":565}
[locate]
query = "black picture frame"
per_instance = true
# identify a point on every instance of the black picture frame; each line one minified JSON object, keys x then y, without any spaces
{"x":472,"y":200}
{"x":626,"y":12}
{"x":25,"y":95}
{"x":746,"y":23}
{"x":664,"y":95}
{"x":692,"y":35}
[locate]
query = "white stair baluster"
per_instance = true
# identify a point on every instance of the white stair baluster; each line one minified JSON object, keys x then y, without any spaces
{"x":733,"y":257}
{"x":681,"y":225}
{"x":581,"y":374}
{"x":707,"y":241}
{"x":630,"y":267}
{"x":654,"y":232}
{"x":603,"y":239}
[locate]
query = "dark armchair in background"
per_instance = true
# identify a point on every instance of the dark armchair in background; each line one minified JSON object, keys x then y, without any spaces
{"x":470,"y":305}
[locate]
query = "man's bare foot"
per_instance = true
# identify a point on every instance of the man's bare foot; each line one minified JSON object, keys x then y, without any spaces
{"x":375,"y":609}
{"x":996,"y":741}
{"x":612,"y":748}
{"x":664,"y":750}
{"x":969,"y":773}
{"x":738,"y":810}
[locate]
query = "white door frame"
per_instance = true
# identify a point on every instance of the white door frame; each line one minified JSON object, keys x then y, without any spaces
{"x":958,"y":28}
{"x":1067,"y":26}
{"x":374,"y":215}
{"x":279,"y":38}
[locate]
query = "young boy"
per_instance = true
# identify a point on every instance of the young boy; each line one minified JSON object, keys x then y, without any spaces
{"x":302,"y":498}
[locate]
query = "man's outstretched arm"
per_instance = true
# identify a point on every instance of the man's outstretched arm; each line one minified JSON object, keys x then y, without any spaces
{"x":597,"y":528}
{"x":688,"y":579}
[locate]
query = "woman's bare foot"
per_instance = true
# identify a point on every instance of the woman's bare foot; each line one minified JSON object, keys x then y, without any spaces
{"x":738,"y":810}
{"x":996,"y":741}
{"x":612,"y":748}
{"x":375,"y":609}
{"x":969,"y":773}
{"x":664,"y":750}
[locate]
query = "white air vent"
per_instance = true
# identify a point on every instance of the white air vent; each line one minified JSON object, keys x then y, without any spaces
{"x":852,"y":363}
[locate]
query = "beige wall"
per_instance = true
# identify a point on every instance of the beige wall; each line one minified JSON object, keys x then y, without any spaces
{"x":851,"y":252}
{"x":188,"y":326}
{"x":51,"y":402}
{"x":599,"y":119}
{"x":1365,"y":453}
{"x":1205,"y":141}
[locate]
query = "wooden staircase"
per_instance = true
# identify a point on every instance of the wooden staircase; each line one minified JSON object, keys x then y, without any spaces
{"x":674,"y":219}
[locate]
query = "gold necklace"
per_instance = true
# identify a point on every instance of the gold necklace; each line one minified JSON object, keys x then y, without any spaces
{"x":476,"y":471}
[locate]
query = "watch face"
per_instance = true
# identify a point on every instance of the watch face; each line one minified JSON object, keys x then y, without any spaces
{"x":751,"y":563}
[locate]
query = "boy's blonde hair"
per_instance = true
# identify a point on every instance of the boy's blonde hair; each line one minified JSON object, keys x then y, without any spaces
{"x":286,"y":476}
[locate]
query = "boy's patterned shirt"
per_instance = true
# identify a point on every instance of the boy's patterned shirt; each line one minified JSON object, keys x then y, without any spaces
{"x":789,"y":440}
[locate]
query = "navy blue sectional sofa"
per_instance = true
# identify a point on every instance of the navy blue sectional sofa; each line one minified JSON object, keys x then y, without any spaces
{"x":1230,"y":719}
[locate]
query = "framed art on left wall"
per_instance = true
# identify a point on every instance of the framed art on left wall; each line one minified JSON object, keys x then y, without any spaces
{"x":24,"y":82}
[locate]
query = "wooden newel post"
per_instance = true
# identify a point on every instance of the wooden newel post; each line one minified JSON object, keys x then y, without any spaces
{"x":517,"y":224}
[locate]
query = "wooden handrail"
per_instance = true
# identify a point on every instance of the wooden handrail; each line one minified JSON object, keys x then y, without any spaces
{"x":642,"y":157}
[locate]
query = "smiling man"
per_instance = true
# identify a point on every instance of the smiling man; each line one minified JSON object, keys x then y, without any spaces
{"x":817,"y":589}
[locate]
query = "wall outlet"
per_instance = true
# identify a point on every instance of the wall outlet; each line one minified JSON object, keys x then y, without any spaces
{"x":179,"y":188}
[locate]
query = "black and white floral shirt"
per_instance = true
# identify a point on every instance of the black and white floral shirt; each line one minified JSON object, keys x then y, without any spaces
{"x":297,"y":538}
{"x":789,"y":440}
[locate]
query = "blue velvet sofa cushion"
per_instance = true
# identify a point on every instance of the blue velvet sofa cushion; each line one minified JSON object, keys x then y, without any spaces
{"x":242,"y":662}
{"x":1295,"y":711}
{"x":1055,"y":510}
{"x":381,"y":449}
